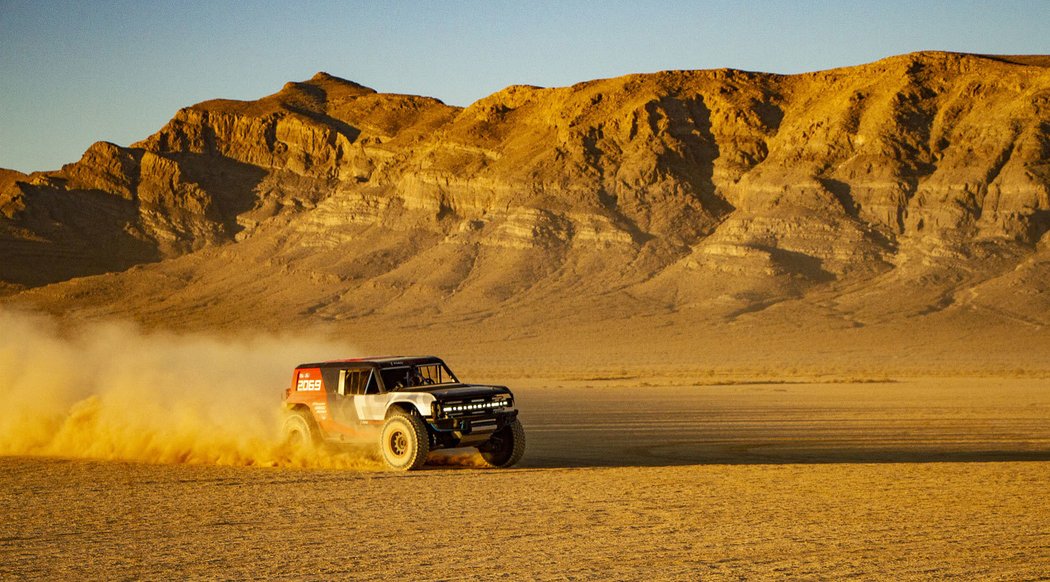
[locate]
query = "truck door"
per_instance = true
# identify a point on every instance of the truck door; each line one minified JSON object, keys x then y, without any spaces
{"x":354,"y":388}
{"x":371,"y":405}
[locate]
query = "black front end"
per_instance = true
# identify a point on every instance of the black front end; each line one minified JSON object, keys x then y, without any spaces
{"x":470,"y":414}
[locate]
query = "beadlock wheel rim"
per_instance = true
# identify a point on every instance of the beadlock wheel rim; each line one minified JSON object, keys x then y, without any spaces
{"x":399,"y":443}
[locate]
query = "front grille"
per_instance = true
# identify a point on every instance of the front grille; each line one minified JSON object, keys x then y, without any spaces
{"x":474,"y":408}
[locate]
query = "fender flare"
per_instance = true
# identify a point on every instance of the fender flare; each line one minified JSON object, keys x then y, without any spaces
{"x":406,"y":405}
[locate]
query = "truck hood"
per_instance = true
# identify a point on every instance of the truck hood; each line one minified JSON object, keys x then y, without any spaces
{"x":462,"y":391}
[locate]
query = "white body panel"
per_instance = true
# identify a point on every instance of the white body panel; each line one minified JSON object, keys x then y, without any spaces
{"x":373,"y":407}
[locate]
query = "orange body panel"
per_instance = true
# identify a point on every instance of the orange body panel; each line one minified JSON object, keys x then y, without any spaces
{"x":308,"y":388}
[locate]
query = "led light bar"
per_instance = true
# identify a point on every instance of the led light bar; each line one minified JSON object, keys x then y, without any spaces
{"x":475,"y":406}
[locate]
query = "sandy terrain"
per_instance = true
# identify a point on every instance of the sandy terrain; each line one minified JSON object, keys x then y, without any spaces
{"x":758,"y":325}
{"x":724,"y":481}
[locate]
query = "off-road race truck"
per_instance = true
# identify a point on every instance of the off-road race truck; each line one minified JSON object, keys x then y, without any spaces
{"x":416,"y":403}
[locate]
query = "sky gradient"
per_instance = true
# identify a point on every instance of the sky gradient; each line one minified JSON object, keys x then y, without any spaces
{"x":72,"y":73}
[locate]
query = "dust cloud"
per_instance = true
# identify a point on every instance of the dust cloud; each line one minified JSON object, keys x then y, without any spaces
{"x":113,"y":391}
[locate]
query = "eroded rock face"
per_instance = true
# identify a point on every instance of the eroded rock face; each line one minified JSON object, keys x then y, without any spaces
{"x":769,"y":184}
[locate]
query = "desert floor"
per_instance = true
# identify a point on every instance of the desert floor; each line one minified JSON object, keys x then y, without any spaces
{"x":889,"y":479}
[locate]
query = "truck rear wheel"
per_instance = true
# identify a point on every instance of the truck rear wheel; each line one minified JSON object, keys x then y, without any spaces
{"x":404,"y":442}
{"x":299,"y":431}
{"x":505,"y":447}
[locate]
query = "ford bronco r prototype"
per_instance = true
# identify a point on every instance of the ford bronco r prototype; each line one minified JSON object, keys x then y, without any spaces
{"x":417,"y":404}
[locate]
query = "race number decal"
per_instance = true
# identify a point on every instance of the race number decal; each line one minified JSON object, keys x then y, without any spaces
{"x":305,"y":385}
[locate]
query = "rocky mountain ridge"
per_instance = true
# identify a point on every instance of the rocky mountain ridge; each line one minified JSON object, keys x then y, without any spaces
{"x":896,"y":188}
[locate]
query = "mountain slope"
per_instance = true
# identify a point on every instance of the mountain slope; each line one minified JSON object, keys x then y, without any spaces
{"x":913,"y":187}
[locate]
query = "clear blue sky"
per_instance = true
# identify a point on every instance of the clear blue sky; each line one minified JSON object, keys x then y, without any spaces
{"x":72,"y":73}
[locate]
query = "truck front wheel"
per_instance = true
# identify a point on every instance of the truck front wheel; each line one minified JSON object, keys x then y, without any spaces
{"x":505,"y":447}
{"x":404,"y":442}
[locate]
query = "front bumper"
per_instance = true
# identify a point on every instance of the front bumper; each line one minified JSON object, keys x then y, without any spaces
{"x":483,"y":423}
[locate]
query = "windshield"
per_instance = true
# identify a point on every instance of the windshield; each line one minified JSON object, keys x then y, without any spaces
{"x":402,"y":377}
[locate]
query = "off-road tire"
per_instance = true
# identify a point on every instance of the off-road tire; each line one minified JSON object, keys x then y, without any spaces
{"x":404,"y":442}
{"x":299,"y":430}
{"x":505,"y":447}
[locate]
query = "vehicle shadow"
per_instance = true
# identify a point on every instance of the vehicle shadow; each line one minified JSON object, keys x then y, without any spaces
{"x":827,"y":456}
{"x":906,"y":422}
{"x":545,"y":456}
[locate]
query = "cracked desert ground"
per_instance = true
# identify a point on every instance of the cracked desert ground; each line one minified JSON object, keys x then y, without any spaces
{"x":902,"y":478}
{"x":759,"y":326}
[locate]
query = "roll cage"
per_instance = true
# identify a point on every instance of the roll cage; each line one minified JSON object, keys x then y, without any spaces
{"x":377,"y":376}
